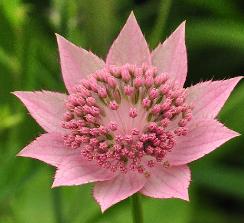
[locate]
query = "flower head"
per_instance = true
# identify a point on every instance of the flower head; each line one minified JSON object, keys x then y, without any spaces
{"x":128,"y":124}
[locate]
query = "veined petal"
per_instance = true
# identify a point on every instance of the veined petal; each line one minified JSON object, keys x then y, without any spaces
{"x":46,"y":107}
{"x":48,"y":148}
{"x":171,"y":57}
{"x":76,"y":63}
{"x":209,"y":97}
{"x":77,"y":171}
{"x":203,"y":137}
{"x":130,"y":46}
{"x":170,"y":182}
{"x":110,"y":192}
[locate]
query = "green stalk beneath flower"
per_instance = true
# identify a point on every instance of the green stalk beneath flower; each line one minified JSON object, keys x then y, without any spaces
{"x":136,"y":208}
{"x":57,"y":205}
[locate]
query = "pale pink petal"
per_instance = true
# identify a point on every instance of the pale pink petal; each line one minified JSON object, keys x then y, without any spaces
{"x":46,"y":107}
{"x":130,"y":46}
{"x":76,"y":63}
{"x":209,"y":97}
{"x":171,"y":57}
{"x":170,"y":182}
{"x":76,"y":171}
{"x":110,"y":192}
{"x":204,"y":136}
{"x":48,"y":148}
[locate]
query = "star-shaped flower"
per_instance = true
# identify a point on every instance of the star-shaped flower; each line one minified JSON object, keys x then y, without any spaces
{"x":127,"y":124}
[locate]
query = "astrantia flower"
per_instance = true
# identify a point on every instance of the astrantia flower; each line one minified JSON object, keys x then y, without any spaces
{"x":127,"y":124}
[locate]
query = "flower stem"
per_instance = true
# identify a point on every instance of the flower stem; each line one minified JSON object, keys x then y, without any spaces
{"x":57,"y":205}
{"x":136,"y":208}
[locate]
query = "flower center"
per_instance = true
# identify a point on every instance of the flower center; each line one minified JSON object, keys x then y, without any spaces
{"x":126,"y":118}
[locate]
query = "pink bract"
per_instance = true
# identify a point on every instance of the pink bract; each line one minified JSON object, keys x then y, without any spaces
{"x":127,"y":124}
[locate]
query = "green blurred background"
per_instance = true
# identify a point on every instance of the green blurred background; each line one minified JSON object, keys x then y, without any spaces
{"x":29,"y":61}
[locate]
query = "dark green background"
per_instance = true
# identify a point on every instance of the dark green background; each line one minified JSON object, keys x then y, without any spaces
{"x":29,"y":61}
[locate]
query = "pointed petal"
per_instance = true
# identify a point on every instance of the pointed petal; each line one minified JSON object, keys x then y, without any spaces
{"x":171,"y":57}
{"x":46,"y":107}
{"x":77,"y":171}
{"x":209,"y":97}
{"x":48,"y":148}
{"x":76,"y":63}
{"x":170,"y":182}
{"x":110,"y":192}
{"x":130,"y":46}
{"x":203,"y":137}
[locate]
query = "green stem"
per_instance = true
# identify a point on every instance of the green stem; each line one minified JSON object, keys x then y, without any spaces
{"x":136,"y":208}
{"x":57,"y":205}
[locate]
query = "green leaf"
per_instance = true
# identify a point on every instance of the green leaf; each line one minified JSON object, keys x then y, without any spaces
{"x":233,"y":109}
{"x":166,"y":210}
{"x":99,"y":21}
{"x":15,"y":11}
{"x":9,"y":118}
{"x":161,"y":21}
{"x":219,"y":178}
{"x":8,"y":61}
{"x":219,"y":7}
{"x":224,"y":33}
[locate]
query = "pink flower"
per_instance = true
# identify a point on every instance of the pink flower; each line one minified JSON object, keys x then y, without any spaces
{"x":127,"y":124}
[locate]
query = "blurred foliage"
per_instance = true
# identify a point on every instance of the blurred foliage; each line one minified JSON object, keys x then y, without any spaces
{"x":29,"y":61}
